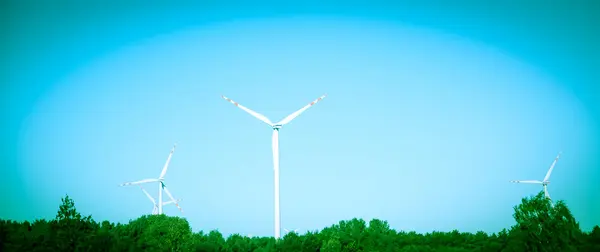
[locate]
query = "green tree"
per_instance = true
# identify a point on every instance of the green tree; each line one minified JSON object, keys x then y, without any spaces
{"x":539,"y":227}
{"x":72,"y":231}
{"x":311,"y":242}
{"x":543,"y":227}
{"x":331,"y":245}
{"x":236,"y":243}
{"x":291,"y":242}
{"x":352,"y":234}
{"x":379,"y":236}
{"x":198,"y":242}
{"x":103,"y":239}
{"x":591,"y":240}
{"x":163,"y":233}
{"x":39,"y":237}
{"x":216,"y":237}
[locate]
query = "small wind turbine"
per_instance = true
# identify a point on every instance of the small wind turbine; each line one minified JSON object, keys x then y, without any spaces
{"x":275,"y":145}
{"x":161,"y":184}
{"x":544,"y":182}
{"x":155,"y":209}
{"x":287,"y":231}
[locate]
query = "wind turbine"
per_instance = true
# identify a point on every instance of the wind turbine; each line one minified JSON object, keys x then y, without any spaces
{"x":155,"y":209}
{"x":161,"y":184}
{"x":287,"y":231}
{"x":275,"y":145}
{"x":544,"y":182}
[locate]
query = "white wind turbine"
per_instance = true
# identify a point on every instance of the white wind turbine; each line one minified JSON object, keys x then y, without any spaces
{"x":275,"y":145}
{"x":287,"y":231}
{"x":155,"y":209}
{"x":544,"y":182}
{"x":161,"y":184}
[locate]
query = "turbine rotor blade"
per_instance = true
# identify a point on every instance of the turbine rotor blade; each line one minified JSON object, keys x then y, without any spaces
{"x":164,"y":170}
{"x":148,"y":195}
{"x":249,"y":111}
{"x":551,"y":167}
{"x":140,"y":182}
{"x":291,"y":117}
{"x":171,"y":197}
{"x":170,"y":202}
{"x":527,"y":181}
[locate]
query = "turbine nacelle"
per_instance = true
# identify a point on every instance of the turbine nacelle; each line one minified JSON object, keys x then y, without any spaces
{"x":277,"y":126}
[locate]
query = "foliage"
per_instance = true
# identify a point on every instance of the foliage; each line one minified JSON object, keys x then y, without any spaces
{"x":540,"y":227}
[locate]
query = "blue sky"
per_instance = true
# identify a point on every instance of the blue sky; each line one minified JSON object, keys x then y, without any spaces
{"x":423,"y":125}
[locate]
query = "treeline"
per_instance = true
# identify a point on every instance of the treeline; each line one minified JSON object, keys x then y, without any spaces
{"x":539,"y":227}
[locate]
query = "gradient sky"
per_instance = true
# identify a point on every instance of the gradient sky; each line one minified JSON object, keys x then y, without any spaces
{"x":431,"y":110}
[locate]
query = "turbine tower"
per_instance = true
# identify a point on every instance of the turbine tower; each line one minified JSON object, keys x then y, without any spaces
{"x":155,"y":208}
{"x":544,"y":182}
{"x":161,"y":184}
{"x":275,"y":144}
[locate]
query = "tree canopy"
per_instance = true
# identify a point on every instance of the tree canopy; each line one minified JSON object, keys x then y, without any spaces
{"x":540,"y":226}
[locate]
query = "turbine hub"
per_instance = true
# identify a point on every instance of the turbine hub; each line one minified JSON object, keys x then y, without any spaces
{"x":277,"y":126}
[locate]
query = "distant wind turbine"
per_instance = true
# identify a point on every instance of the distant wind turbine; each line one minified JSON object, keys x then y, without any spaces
{"x":287,"y":231}
{"x":161,"y":184}
{"x":275,"y":145}
{"x":544,"y":182}
{"x":155,"y":209}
